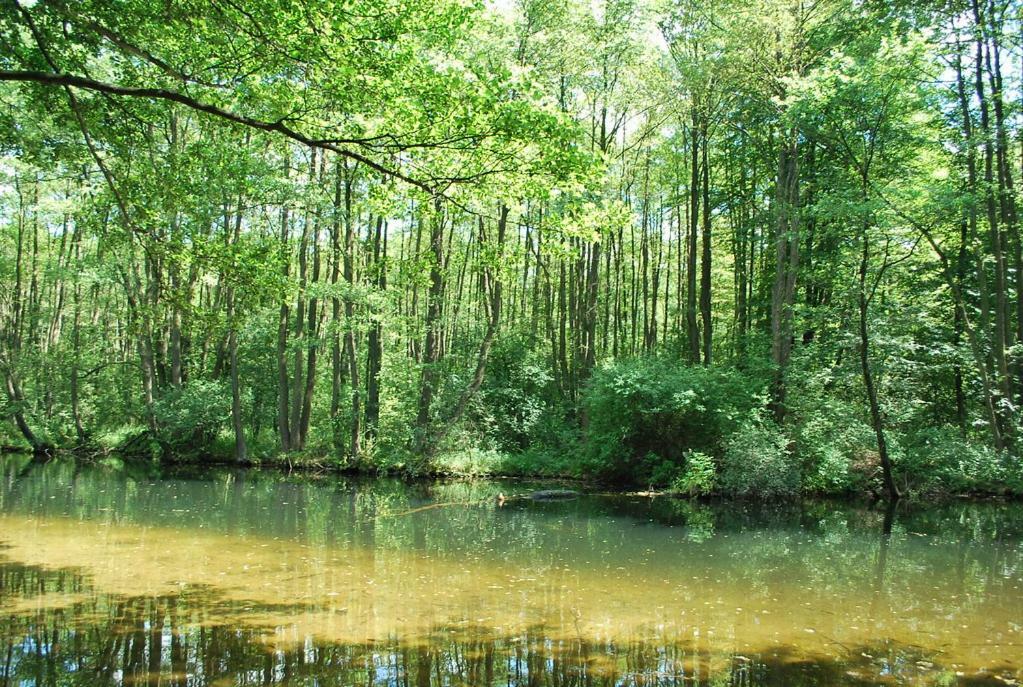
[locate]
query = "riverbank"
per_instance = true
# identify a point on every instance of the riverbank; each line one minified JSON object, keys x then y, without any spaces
{"x":477,"y":466}
{"x":647,"y":423}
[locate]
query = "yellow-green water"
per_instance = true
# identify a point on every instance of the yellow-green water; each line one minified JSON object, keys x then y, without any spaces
{"x":113,"y":576}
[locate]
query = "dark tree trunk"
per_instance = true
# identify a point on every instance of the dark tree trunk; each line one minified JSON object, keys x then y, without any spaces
{"x":705,"y":283}
{"x":692,"y":327}
{"x":374,"y":345}
{"x":786,"y":264}
{"x":432,"y":343}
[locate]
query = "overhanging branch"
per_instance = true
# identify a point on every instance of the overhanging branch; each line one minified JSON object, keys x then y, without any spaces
{"x":75,"y":81}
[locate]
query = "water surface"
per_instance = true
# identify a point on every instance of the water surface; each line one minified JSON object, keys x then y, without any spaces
{"x":126,"y":576}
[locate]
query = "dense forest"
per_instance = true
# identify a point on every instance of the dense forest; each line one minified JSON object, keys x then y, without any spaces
{"x":702,"y":245}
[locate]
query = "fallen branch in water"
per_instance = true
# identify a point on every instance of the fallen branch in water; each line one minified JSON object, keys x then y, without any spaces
{"x":432,"y":506}
{"x":500,"y":500}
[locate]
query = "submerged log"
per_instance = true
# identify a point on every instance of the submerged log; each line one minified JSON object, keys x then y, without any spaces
{"x":553,"y":494}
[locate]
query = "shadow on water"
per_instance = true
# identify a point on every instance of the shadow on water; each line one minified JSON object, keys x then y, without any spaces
{"x":165,"y":640}
{"x":116,"y":576}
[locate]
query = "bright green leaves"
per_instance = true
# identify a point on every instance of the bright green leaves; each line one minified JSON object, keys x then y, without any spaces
{"x":392,"y":82}
{"x":588,"y":220}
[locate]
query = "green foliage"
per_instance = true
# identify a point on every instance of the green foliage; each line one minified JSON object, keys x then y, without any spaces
{"x":470,"y":462}
{"x":405,"y":176}
{"x":643,"y":415}
{"x":193,"y":414}
{"x":699,"y":476}
{"x":757,"y":462}
{"x":833,"y":446}
{"x":940,"y":460}
{"x":515,"y":407}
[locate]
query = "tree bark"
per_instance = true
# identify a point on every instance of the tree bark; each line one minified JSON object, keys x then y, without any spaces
{"x":876,"y":418}
{"x":355,"y":440}
{"x":374,"y":345}
{"x":786,"y":264}
{"x":432,"y":343}
{"x":283,"y":383}
{"x":705,"y":265}
{"x":692,"y":327}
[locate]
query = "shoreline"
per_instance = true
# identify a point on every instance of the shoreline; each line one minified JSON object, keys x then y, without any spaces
{"x":586,"y":487}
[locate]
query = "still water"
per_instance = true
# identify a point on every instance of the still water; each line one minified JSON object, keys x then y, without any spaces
{"x":113,"y":575}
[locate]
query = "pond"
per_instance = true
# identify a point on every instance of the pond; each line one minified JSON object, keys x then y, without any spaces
{"x":128,"y":575}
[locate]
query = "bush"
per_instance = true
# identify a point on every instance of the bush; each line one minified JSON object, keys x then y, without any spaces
{"x":469,"y":462}
{"x":699,"y":476}
{"x":833,"y":446}
{"x":834,"y":442}
{"x":193,"y":414}
{"x":515,"y":403}
{"x":757,"y":461}
{"x":941,"y":459}
{"x":643,"y":415}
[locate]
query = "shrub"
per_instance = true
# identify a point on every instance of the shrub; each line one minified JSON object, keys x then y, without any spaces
{"x":757,"y":461}
{"x":193,"y":414}
{"x":699,"y":476}
{"x":642,"y":415}
{"x":941,"y":459}
{"x":515,"y":402}
{"x":833,"y":445}
{"x":470,"y":462}
{"x":833,"y":440}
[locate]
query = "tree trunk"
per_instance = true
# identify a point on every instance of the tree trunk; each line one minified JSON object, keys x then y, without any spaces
{"x":283,"y":383}
{"x":374,"y":353}
{"x":355,"y":440}
{"x":492,"y":293}
{"x":241,"y":452}
{"x":705,"y":283}
{"x":431,"y":345}
{"x":876,"y":418}
{"x":786,"y":264}
{"x":336,"y":367}
{"x":692,"y":328}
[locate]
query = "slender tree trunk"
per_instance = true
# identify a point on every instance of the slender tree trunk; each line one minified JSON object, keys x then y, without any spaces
{"x":351,"y":353}
{"x":9,"y":357}
{"x":297,"y":393}
{"x":786,"y":264}
{"x":312,"y":334}
{"x":644,"y":257}
{"x":375,"y":343}
{"x":996,"y":241}
{"x":336,"y":368}
{"x":705,"y":266}
{"x":741,"y":230}
{"x":76,"y":359}
{"x":492,"y":294}
{"x":692,"y":328}
{"x":237,"y":421}
{"x":431,"y":346}
{"x":283,"y":383}
{"x":876,"y":418}
{"x":982,"y":360}
{"x":957,"y":331}
{"x":590,"y":311}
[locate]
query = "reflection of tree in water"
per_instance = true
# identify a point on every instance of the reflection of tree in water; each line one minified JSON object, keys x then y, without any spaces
{"x":955,"y":565}
{"x":327,"y":511}
{"x":167,"y":641}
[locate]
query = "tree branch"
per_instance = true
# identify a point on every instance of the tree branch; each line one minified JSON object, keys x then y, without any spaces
{"x":278,"y":127}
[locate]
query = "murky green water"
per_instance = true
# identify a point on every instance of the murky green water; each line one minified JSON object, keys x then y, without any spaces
{"x":124,"y":577}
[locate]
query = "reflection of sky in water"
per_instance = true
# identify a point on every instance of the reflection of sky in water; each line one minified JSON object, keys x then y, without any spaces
{"x":294,"y":563}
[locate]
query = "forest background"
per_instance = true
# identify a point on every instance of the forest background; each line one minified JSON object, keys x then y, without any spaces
{"x":703,"y":245}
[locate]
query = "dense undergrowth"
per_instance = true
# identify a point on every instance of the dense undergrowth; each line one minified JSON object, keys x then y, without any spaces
{"x":646,"y":422}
